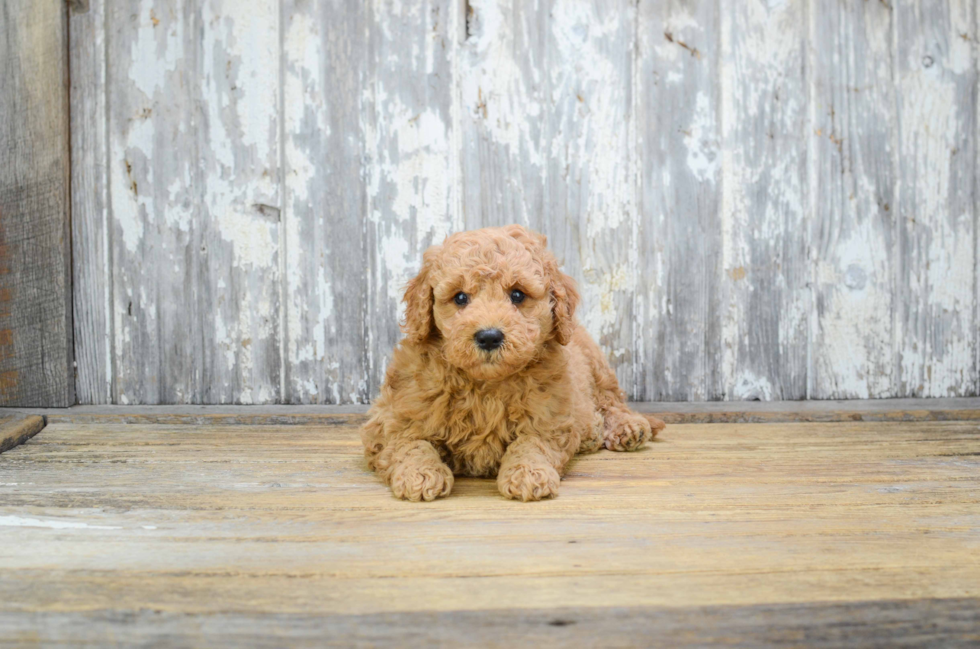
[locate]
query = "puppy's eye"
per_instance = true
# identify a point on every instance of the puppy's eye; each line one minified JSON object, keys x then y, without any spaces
{"x":517,"y":296}
{"x":461,"y":299}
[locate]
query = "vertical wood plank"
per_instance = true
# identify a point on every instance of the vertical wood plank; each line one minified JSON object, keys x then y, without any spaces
{"x":505,"y":106}
{"x":35,"y":259}
{"x":325,"y":67}
{"x":91,"y":264}
{"x":935,"y":73}
{"x":678,"y":335}
{"x":193,"y":164}
{"x":412,"y":167}
{"x":853,"y":200}
{"x":155,"y":238}
{"x":240,"y":182}
{"x":590,"y":165}
{"x":546,"y":91}
{"x":764,"y":250}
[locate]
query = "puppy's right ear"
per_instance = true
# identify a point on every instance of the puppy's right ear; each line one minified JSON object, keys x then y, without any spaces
{"x":564,"y":298}
{"x":419,"y":324}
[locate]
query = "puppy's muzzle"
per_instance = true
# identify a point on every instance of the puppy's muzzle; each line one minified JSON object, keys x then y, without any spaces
{"x":489,"y":339}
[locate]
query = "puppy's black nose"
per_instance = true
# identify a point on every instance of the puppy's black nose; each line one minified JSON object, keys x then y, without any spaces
{"x":489,"y":339}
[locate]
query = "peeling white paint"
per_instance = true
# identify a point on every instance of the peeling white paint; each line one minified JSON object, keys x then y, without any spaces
{"x":702,"y":147}
{"x":155,"y":53}
{"x":932,"y":87}
{"x":599,"y":292}
{"x":763,"y":202}
{"x":412,"y":199}
{"x":253,"y":238}
{"x":495,"y":92}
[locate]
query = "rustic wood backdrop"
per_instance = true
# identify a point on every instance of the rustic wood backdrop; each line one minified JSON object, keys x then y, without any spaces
{"x":762,"y":199}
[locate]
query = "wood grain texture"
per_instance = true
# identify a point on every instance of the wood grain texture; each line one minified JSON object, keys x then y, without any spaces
{"x":90,"y":207}
{"x":504,"y":109}
{"x":590,"y":211}
{"x":155,"y":250}
{"x":678,"y":299}
{"x":194,"y":182}
{"x":935,"y":76}
{"x":253,"y":527}
{"x":764,"y":114}
{"x":411,"y":152}
{"x":853,"y":181}
{"x":35,"y":257}
{"x":548,"y":131}
{"x":894,"y":623}
{"x":325,"y":68}
{"x":15,"y":430}
{"x":239,"y":177}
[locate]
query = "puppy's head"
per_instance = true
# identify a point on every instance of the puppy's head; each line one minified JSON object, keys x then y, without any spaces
{"x":490,"y":300}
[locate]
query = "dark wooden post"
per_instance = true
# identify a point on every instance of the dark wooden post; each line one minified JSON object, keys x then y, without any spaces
{"x":35,"y":254}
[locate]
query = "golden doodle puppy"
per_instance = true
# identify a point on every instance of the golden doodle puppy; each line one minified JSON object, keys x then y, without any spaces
{"x":494,"y":377}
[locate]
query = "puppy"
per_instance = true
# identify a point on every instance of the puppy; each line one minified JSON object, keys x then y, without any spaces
{"x":494,"y":377}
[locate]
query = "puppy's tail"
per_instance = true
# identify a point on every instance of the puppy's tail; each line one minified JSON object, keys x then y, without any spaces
{"x":656,"y":424}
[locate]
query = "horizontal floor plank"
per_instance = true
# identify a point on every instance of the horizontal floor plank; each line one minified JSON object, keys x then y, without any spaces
{"x":892,"y":623}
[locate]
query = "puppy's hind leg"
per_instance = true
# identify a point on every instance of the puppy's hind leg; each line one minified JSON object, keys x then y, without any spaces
{"x":627,"y":430}
{"x":624,"y":429}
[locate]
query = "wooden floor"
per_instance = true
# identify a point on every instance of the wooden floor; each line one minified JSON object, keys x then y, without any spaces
{"x":815,"y":534}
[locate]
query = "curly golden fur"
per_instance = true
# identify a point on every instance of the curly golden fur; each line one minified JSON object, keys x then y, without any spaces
{"x":519,"y":411}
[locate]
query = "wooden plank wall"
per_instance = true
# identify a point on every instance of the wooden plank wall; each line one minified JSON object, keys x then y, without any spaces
{"x":35,"y":255}
{"x":760,"y":200}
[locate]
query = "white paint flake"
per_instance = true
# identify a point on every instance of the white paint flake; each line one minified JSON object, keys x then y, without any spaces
{"x":17,"y":521}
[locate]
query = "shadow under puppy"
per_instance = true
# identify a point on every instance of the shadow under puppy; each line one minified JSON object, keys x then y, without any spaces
{"x":494,"y":377}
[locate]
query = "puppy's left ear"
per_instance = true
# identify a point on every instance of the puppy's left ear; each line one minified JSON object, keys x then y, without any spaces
{"x":564,"y":301}
{"x":419,"y":324}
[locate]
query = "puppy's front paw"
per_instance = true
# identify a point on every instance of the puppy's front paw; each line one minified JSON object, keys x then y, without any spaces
{"x":528,"y":481}
{"x":426,"y":482}
{"x":628,"y":431}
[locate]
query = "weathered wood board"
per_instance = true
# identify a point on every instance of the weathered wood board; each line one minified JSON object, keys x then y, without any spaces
{"x":548,"y":138}
{"x":325,"y":299}
{"x":936,"y":95}
{"x":90,"y":207}
{"x":678,"y":345}
{"x":184,"y":534}
{"x":411,"y":178}
{"x":853,"y":174}
{"x":15,"y":430}
{"x":35,"y":255}
{"x":765,"y":301}
{"x":193,"y":166}
{"x":903,"y":623}
{"x":760,"y":200}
